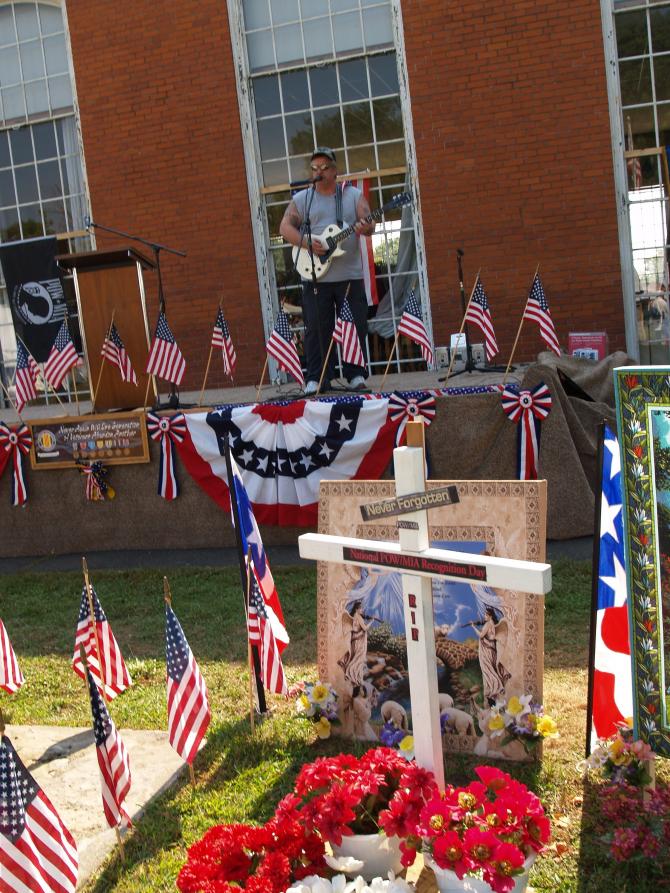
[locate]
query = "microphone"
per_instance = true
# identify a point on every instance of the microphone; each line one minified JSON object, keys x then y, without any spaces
{"x":295,"y":183}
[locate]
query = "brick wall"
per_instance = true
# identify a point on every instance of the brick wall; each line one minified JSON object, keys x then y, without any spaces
{"x":163,"y":150}
{"x":514,"y":157}
{"x":513,"y":145}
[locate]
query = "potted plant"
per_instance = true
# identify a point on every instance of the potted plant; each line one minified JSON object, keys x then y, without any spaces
{"x":363,"y":806}
{"x":488,"y":832}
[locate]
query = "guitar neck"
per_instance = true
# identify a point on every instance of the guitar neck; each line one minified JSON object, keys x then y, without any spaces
{"x":345,"y":233}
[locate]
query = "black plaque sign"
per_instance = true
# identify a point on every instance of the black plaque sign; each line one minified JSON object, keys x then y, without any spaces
{"x":412,"y":502}
{"x":417,"y":563}
{"x":115,"y":438}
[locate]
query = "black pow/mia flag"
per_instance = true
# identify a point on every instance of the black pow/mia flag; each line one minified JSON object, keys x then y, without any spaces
{"x":35,"y":292}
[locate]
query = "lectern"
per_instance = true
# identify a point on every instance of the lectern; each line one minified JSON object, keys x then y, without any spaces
{"x":106,"y":283}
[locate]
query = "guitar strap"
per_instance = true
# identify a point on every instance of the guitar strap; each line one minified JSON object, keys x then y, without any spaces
{"x":338,"y":205}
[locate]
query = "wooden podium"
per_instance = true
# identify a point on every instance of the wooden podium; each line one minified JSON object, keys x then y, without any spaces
{"x":109,"y":282}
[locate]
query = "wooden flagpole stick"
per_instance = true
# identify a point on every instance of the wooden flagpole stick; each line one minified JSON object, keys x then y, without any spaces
{"x":102,"y":364}
{"x":325,"y":364}
{"x":167,"y":595}
{"x":250,"y":659}
{"x":204,"y":381}
{"x":260,"y":384}
{"x":91,"y":611}
{"x":150,"y":378}
{"x":119,"y":840}
{"x":518,"y":334}
{"x":11,"y":402}
{"x":393,"y":350}
{"x":458,"y":337}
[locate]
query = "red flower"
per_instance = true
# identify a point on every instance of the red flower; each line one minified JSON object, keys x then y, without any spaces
{"x":644,"y":539}
{"x":493,"y":778}
{"x":631,"y":381}
{"x":480,"y":845}
{"x":449,"y":852}
{"x":638,"y":451}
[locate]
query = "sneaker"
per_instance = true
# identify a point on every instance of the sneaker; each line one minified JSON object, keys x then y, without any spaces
{"x":358,"y":384}
{"x":311,"y":388}
{"x":336,"y":385}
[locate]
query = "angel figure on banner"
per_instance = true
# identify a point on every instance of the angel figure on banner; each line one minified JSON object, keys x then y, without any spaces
{"x":492,"y":632}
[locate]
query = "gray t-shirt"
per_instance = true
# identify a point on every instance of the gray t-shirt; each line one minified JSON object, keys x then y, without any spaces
{"x":322,"y":214}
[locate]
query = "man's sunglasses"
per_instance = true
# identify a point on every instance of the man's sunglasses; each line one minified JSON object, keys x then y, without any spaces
{"x":319,"y":167}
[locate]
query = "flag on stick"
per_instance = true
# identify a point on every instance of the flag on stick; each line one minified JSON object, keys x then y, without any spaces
{"x":113,"y":350}
{"x":537,"y":309}
{"x":280,"y":346}
{"x":37,"y":852}
{"x":411,"y":324}
{"x":112,"y":759}
{"x":11,"y":677}
{"x":165,"y":358}
{"x":62,"y":357}
{"x":612,"y":682}
{"x":221,"y":338}
{"x":92,"y":636}
{"x":251,"y":539}
{"x":346,"y":335}
{"x":27,"y":372}
{"x":188,"y":705}
{"x":261,"y":635}
{"x":479,"y":313}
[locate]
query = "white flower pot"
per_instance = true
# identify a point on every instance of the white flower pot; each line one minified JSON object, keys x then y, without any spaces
{"x":447,"y":881}
{"x":379,"y":853}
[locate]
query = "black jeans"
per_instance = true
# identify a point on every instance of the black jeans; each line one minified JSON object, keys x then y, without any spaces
{"x":319,"y":311}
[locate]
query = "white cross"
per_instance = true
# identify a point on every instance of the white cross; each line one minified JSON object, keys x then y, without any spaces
{"x":418,"y":563}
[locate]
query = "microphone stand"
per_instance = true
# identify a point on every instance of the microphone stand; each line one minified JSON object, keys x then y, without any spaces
{"x":156,"y":248}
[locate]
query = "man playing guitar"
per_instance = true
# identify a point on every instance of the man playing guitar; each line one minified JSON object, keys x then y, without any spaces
{"x":323,"y":298}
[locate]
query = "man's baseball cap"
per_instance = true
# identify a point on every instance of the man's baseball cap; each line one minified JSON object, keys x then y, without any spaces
{"x":325,"y":151}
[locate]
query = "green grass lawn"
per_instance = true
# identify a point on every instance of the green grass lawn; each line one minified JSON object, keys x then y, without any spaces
{"x":242,"y":776}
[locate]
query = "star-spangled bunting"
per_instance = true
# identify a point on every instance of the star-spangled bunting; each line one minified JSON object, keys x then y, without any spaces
{"x":168,"y":430}
{"x":411,"y":324}
{"x":479,"y":313}
{"x":115,"y":673}
{"x":405,"y":408}
{"x":221,"y":339}
{"x":11,"y":677}
{"x":527,"y":409}
{"x":347,"y":337}
{"x":95,"y":474}
{"x":537,"y":309}
{"x":612,"y":683}
{"x":115,"y":352}
{"x":280,"y":346}
{"x":112,"y":759}
{"x":262,"y":637}
{"x":188,"y":705}
{"x":62,"y":357}
{"x":27,"y":372}
{"x":15,"y":443}
{"x":37,"y":852}
{"x":165,"y":358}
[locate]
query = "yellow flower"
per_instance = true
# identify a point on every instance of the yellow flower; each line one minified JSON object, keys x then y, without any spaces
{"x":547,"y":727}
{"x":514,"y":706}
{"x":323,"y":728}
{"x":320,"y":693}
{"x":496,"y":722}
{"x":406,"y":747}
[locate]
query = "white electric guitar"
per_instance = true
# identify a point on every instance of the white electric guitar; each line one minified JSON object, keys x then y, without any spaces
{"x":333,"y":235}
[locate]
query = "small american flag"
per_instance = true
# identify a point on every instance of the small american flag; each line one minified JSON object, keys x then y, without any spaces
{"x":112,"y":759}
{"x":345,"y":334}
{"x":62,"y":357}
{"x":537,"y":309}
{"x":27,"y":372}
{"x":116,"y":676}
{"x":188,"y":705}
{"x":261,"y":635}
{"x":280,"y":346}
{"x":37,"y":852}
{"x":479,"y":313}
{"x":221,"y":338}
{"x":11,"y":677}
{"x":165,"y":358}
{"x":113,"y":350}
{"x":411,"y":324}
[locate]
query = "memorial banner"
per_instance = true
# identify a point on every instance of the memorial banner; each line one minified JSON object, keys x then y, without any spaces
{"x":118,"y":438}
{"x":35,"y":292}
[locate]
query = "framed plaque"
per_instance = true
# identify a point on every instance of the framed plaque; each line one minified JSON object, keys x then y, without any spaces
{"x":115,"y":438}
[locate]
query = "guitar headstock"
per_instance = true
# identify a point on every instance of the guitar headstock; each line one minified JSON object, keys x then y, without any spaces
{"x":398,"y":201}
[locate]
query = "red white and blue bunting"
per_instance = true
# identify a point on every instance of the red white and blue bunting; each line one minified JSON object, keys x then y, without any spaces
{"x":410,"y":407}
{"x":285,"y":451}
{"x":96,"y":487}
{"x":168,"y":430}
{"x":527,"y":409}
{"x":15,"y":443}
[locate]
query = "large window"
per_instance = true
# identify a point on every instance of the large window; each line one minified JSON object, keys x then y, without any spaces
{"x":42,"y":189}
{"x":643,"y":50}
{"x":324,"y":72}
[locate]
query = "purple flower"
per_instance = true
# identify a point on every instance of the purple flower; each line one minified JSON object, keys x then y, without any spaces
{"x":390,"y":736}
